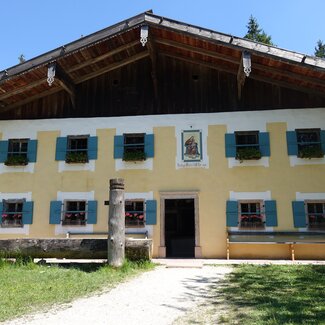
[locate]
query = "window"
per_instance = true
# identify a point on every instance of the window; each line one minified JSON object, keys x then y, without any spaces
{"x":134,"y":213}
{"x":306,"y":143}
{"x":247,"y":145}
{"x":73,"y":212}
{"x":133,"y":147}
{"x":12,"y":214}
{"x":309,"y":143}
{"x":250,"y":215}
{"x":76,"y":148}
{"x":316,"y":215}
{"x":18,"y":152}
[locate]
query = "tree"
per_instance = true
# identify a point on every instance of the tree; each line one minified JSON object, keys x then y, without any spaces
{"x":21,"y":58}
{"x":257,"y":34}
{"x":320,"y":49}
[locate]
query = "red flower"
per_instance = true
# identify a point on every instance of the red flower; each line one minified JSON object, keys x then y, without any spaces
{"x":140,"y":217}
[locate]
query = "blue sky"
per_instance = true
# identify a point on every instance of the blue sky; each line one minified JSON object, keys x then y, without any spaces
{"x":37,"y":26}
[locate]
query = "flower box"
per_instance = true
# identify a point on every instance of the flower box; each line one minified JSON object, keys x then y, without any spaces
{"x":16,"y":160}
{"x":311,"y":152}
{"x":76,"y":157}
{"x":248,"y":153}
{"x":134,"y":155}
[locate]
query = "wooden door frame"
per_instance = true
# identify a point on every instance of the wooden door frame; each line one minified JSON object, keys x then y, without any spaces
{"x":175,"y":196}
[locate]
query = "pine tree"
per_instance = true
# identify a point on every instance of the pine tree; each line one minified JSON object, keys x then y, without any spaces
{"x":257,"y":34}
{"x":320,"y":49}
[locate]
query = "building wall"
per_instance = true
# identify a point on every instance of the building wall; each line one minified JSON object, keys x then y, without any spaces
{"x":216,"y":178}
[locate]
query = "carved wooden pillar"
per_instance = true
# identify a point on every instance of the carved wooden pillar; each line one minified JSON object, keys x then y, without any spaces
{"x":116,"y":223}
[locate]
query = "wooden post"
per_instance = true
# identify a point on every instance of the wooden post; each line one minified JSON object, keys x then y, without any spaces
{"x":116,"y":223}
{"x":228,"y":249}
{"x":292,"y":252}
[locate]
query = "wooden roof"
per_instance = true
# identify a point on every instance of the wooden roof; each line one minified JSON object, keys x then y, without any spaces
{"x":119,"y":45}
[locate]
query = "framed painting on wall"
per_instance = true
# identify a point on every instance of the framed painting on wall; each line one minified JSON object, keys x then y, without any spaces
{"x":191,"y":145}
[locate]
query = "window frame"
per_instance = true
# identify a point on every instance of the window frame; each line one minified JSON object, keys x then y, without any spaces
{"x":301,"y":145}
{"x":250,"y":224}
{"x":78,"y":155}
{"x":16,"y":221}
{"x":140,"y":223}
{"x":309,"y":226}
{"x":247,"y":151}
{"x":136,"y":150}
{"x":79,"y":220}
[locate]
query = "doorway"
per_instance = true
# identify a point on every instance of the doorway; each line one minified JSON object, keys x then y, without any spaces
{"x":180,"y":227}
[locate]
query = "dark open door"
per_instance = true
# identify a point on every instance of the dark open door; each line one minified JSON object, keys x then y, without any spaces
{"x":179,"y":227}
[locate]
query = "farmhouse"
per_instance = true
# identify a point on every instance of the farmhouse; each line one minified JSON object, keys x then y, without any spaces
{"x":220,"y":141}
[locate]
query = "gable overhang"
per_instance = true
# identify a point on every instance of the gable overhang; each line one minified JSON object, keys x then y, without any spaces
{"x":120,"y":45}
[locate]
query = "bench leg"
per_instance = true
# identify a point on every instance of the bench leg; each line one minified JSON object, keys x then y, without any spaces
{"x":292,"y":252}
{"x":228,"y":250}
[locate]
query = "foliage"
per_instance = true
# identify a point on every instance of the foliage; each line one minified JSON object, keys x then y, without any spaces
{"x":320,"y":49}
{"x":311,"y":152}
{"x":248,"y":153}
{"x":257,"y":34}
{"x":134,"y":155}
{"x":76,"y":157}
{"x":16,"y":160}
{"x":26,"y":286}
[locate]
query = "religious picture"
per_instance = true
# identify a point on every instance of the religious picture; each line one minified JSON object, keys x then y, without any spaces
{"x":191,"y":145}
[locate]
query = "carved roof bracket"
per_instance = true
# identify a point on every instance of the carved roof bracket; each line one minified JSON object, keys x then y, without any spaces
{"x":144,"y":33}
{"x":244,"y":70}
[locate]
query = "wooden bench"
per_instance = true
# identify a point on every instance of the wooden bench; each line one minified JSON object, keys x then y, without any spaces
{"x":262,"y":237}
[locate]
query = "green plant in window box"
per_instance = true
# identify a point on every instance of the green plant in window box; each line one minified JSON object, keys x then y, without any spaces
{"x":311,"y":152}
{"x":134,"y":155}
{"x":76,"y":157}
{"x":248,"y":153}
{"x":16,"y":160}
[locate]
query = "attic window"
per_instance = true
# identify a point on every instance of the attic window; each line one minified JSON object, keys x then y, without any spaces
{"x":115,"y":82}
{"x":195,"y":77}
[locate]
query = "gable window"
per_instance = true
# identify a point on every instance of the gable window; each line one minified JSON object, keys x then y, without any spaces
{"x":247,"y":145}
{"x":306,"y":143}
{"x":16,"y":213}
{"x":74,"y":213}
{"x":134,"y":146}
{"x":250,"y":215}
{"x":76,"y":148}
{"x":18,"y":152}
{"x":134,"y":213}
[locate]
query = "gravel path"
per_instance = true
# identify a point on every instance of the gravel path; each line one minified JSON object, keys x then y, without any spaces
{"x":156,"y":297}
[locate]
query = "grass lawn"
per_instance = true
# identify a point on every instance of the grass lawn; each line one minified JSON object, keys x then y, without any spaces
{"x":29,"y":287}
{"x":270,"y":294}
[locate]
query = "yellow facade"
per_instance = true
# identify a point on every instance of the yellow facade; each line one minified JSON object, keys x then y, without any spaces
{"x":213,"y":185}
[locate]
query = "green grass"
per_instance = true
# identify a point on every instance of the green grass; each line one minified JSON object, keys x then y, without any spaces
{"x":274,"y":295}
{"x":26,"y":287}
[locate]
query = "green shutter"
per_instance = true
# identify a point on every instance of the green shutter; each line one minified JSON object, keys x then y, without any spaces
{"x":299,"y":214}
{"x":92,"y":212}
{"x":61,"y":148}
{"x":32,"y":151}
{"x":322,"y":139}
{"x":270,"y":213}
{"x":28,"y":213}
{"x":92,"y":147}
{"x":232,"y":213}
{"x":55,"y":212}
{"x":118,"y":146}
{"x":292,"y":143}
{"x":151,"y":212}
{"x":230,"y":145}
{"x":264,"y":142}
{"x":149,"y":145}
{"x":3,"y":151}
